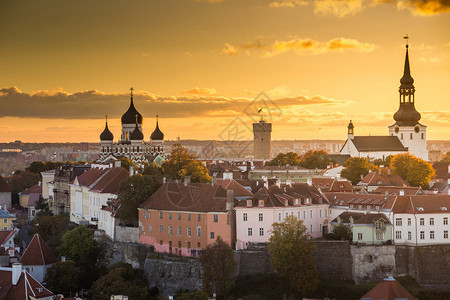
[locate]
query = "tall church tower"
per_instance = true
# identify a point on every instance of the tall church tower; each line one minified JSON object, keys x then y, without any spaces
{"x":407,"y":128}
{"x":262,"y":140}
{"x":129,"y":120}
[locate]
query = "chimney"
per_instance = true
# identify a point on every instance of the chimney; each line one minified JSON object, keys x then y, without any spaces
{"x":386,"y":194}
{"x":401,"y":193}
{"x":309,"y":181}
{"x":187,"y":180}
{"x":230,"y":200}
{"x":379,"y":171}
{"x":131,"y":170}
{"x":278,"y":182}
{"x":362,"y":176}
{"x":16,"y":272}
{"x":213,"y":180}
{"x":117,"y":164}
{"x":164,"y":179}
{"x":39,"y":183}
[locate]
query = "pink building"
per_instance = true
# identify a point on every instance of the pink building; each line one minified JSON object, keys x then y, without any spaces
{"x":255,"y":216}
{"x":184,"y":218}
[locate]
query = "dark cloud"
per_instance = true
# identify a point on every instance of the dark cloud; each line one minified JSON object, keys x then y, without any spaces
{"x":94,"y":104}
{"x":425,"y":7}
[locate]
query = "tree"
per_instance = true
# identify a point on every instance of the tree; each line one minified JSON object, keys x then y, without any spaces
{"x":182,"y":163}
{"x":51,"y":229}
{"x":153,"y":169}
{"x":62,"y":278}
{"x":413,"y":170}
{"x":355,"y":167}
{"x":291,"y":255}
{"x":315,"y":160}
{"x":122,"y":279}
{"x":125,"y":163}
{"x":194,"y":295}
{"x":446,"y":158}
{"x":284,"y":159}
{"x":341,"y":232}
{"x":132,"y":193}
{"x":77,"y":242}
{"x":218,"y":265}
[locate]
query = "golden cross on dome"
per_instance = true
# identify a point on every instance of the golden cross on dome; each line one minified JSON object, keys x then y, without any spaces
{"x":136,"y":118}
{"x":106,"y":116}
{"x":157,"y":118}
{"x":131,"y":92}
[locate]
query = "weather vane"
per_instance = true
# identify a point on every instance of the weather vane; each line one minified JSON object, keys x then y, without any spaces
{"x":406,"y":37}
{"x":260,"y":112}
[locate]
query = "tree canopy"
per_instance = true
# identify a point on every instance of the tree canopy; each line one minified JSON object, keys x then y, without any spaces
{"x":355,"y":167}
{"x":181,"y":163}
{"x":284,"y":159}
{"x":63,"y":278}
{"x":125,"y":163}
{"x":77,"y":242}
{"x":218,"y":265}
{"x":291,"y":255}
{"x":133,"y":192}
{"x":446,"y":158}
{"x":413,"y":170}
{"x":315,"y":160}
{"x":51,"y":229}
{"x":341,"y":232}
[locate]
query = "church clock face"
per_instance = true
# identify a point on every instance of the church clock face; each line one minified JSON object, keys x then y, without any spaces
{"x":417,"y":129}
{"x":396,"y":129}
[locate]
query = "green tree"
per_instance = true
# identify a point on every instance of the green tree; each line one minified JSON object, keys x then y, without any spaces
{"x":77,"y":242}
{"x":62,"y":278}
{"x":218,"y":265}
{"x":120,"y":280}
{"x":154,"y":170}
{"x":132,"y":193}
{"x":446,"y":158}
{"x":292,"y":255}
{"x":125,"y":163}
{"x":51,"y":229}
{"x":355,"y":167}
{"x":315,"y":160}
{"x":413,"y":170}
{"x":284,"y":159}
{"x":182,"y":163}
{"x":21,"y":180}
{"x":341,"y":232}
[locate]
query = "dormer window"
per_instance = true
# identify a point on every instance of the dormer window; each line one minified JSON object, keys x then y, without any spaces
{"x":351,"y":205}
{"x":379,"y":181}
{"x":443,"y":208}
{"x":360,"y":206}
{"x":249,"y":203}
{"x":419,"y":208}
{"x":377,"y":207}
{"x":286,"y":202}
{"x":261,"y":203}
{"x":307,"y":200}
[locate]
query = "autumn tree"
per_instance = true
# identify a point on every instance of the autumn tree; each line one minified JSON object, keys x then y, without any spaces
{"x":292,"y":255}
{"x":122,"y":279}
{"x":152,"y":169}
{"x":355,"y":168}
{"x":63,"y":278}
{"x":181,"y":163}
{"x":446,"y":158}
{"x":126,"y":163}
{"x":218,"y":265}
{"x":413,"y":170}
{"x":132,"y":193}
{"x":285,"y":159}
{"x":315,"y":160}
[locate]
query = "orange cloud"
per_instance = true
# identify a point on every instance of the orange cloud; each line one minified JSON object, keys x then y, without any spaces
{"x":287,"y":3}
{"x":339,"y":8}
{"x":229,"y":50}
{"x":201,"y":91}
{"x":425,"y":7}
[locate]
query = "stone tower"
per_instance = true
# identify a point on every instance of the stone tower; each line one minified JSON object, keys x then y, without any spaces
{"x":261,"y":140}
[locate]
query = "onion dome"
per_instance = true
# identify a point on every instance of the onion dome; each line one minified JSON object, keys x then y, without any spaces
{"x":106,"y":135}
{"x":136,"y":134}
{"x":157,"y":134}
{"x":129,"y":117}
{"x":407,"y":115}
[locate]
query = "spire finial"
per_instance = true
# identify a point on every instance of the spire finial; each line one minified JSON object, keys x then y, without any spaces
{"x":157,"y":119}
{"x":106,"y":117}
{"x":131,"y":92}
{"x":406,"y":37}
{"x":260,"y":113}
{"x":137,"y":118}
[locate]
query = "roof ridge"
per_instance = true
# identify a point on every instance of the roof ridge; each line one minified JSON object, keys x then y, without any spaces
{"x":40,"y":248}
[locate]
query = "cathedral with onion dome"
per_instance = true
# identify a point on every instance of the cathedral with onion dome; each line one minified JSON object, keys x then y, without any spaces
{"x":132,"y":142}
{"x":405,"y":135}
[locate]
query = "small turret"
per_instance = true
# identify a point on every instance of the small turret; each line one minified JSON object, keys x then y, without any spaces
{"x":350,"y":128}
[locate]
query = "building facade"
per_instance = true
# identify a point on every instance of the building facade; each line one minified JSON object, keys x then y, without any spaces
{"x":262,"y":132}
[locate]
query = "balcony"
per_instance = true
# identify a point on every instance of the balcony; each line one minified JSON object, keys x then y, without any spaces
{"x":380,"y":228}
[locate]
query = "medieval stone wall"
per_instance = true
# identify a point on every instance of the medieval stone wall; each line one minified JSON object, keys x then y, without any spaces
{"x":124,"y":234}
{"x":333,"y":259}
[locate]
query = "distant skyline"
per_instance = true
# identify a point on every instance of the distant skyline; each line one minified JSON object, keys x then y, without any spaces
{"x":199,"y":63}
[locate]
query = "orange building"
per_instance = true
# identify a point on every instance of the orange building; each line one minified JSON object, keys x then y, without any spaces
{"x":185,"y":218}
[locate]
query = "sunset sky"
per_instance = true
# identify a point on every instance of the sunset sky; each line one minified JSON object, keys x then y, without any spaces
{"x":199,"y":65}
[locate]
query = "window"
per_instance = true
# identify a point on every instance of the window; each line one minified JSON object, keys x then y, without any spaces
{"x":211,"y":235}
{"x":310,"y":214}
{"x":179,"y":216}
{"x":422,"y":221}
{"x":320,"y":227}
{"x":287,"y":214}
{"x":298,"y":215}
{"x":445,"y":234}
{"x":360,"y":236}
{"x":398,"y":221}
{"x":380,"y":236}
{"x":189,"y":231}
{"x":179,"y":230}
{"x":398,"y":235}
{"x":189,"y":217}
{"x":410,"y":136}
{"x":279,"y":217}
{"x":401,"y":136}
{"x":170,"y":230}
{"x":161,"y":228}
{"x":216,"y":218}
{"x":170,"y":216}
{"x":160,"y":242}
{"x":311,"y":228}
{"x":432,"y":235}
{"x":160,"y":214}
{"x":250,"y":231}
{"x":261,"y":203}
{"x":423,"y":136}
{"x":199,"y":245}
{"x":431,"y":221}
{"x":446,"y":221}
{"x":261,"y":231}
{"x":199,"y":231}
{"x":189,"y":245}
{"x":326,"y":212}
{"x":409,"y":221}
{"x":320,"y":213}
{"x":198,"y":217}
{"x":409,"y":235}
{"x":260,"y":217}
{"x":143,"y":229}
{"x":150,"y":228}
{"x":244,"y":217}
{"x":422,"y":235}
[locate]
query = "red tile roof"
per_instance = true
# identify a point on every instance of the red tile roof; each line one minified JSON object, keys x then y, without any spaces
{"x":110,"y":180}
{"x":238,"y":189}
{"x":439,"y":203}
{"x":361,"y":218}
{"x":395,"y":190}
{"x":388,"y":289}
{"x":90,"y":176}
{"x":442,"y":171}
{"x":347,"y":199}
{"x":373,"y":178}
{"x":197,"y":197}
{"x":5,"y":235}
{"x":35,"y":189}
{"x":341,"y":186}
{"x":37,"y":253}
{"x":4,"y":186}
{"x":25,"y":288}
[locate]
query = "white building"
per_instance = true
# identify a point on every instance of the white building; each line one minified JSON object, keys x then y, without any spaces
{"x":405,"y":135}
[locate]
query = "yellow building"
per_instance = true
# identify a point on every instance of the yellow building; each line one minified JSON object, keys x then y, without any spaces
{"x":6,"y":220}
